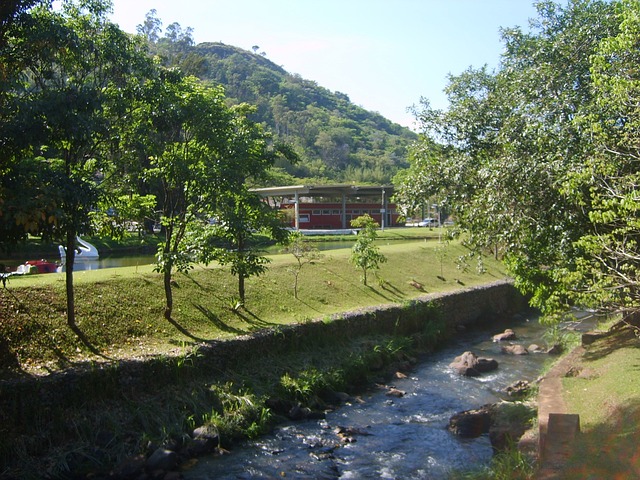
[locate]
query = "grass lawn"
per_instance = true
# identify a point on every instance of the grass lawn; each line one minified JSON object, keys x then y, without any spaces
{"x":119,"y":315}
{"x":605,"y":392}
{"x":119,"y":311}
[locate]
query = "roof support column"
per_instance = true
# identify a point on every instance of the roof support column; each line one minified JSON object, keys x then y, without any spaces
{"x":383,"y":210}
{"x":344,"y":210}
{"x":296,"y":209}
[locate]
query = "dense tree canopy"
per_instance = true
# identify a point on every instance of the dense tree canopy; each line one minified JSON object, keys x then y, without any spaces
{"x":70,"y":78}
{"x":95,"y":133}
{"x":538,"y":159}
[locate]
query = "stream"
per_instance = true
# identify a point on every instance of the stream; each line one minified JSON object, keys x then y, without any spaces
{"x":393,"y":438}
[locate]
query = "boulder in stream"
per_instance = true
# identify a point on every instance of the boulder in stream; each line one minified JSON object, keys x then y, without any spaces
{"x":470,"y":365}
{"x":497,"y":420}
{"x":508,"y":334}
{"x":514,"y":350}
{"x":472,"y":423}
{"x":518,"y":389}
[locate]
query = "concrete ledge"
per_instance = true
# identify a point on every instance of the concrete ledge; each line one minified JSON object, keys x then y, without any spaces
{"x":562,"y":431}
{"x":557,"y":428}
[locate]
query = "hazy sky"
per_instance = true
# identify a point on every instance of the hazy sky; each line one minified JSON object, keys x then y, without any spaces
{"x":384,"y":54}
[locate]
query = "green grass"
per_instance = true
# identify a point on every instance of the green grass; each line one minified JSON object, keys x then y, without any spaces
{"x":606,"y":395}
{"x":120,"y":316}
{"x":119,"y":311}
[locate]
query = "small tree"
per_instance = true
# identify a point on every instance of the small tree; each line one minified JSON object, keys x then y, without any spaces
{"x":231,"y":240}
{"x":364,"y":254}
{"x":304,"y":253}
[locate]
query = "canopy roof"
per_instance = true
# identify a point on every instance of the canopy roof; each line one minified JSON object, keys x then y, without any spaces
{"x":325,"y":190}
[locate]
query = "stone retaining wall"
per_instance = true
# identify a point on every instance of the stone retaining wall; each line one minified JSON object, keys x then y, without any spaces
{"x":473,"y":306}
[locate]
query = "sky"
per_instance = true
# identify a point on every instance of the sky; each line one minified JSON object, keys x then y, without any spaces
{"x":384,"y":54}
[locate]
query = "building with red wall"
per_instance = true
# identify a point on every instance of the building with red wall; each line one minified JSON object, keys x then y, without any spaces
{"x":332,"y":206}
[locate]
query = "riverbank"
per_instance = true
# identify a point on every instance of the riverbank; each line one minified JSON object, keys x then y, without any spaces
{"x":598,"y":382}
{"x":109,"y":415}
{"x":105,"y":415}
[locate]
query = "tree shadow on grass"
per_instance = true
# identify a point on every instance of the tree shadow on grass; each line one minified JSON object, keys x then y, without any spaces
{"x":392,"y":289}
{"x":252,"y":319}
{"x":308,"y":305}
{"x":379,"y":293}
{"x":219,"y":324}
{"x":626,"y":337}
{"x":184,"y":331}
{"x":349,"y":281}
{"x":608,"y":450}
{"x":195,"y":282}
{"x":87,"y":343}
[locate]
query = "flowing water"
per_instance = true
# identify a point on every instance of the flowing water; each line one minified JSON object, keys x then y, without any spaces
{"x":395,"y":438}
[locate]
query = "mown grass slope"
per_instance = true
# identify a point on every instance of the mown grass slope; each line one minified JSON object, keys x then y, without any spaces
{"x":119,"y":311}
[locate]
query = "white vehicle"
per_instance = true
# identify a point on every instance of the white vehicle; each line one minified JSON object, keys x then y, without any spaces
{"x":427,"y":222}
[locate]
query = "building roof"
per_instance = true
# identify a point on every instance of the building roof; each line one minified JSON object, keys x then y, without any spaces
{"x":325,"y":190}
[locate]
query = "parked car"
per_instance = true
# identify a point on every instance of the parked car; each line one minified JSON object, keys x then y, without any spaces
{"x":427,"y":222}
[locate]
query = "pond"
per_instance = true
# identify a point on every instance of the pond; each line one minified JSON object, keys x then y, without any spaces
{"x":132,"y":260}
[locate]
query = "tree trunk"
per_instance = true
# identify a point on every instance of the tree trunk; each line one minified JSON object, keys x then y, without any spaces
{"x":167,"y":269}
{"x":168,"y":309}
{"x":69,"y":262}
{"x":241,"y":287}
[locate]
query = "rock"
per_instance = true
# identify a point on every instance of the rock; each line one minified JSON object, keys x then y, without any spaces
{"x":347,"y":434}
{"x":130,"y":468}
{"x":486,"y":364}
{"x":470,"y":365}
{"x":535,"y":348}
{"x":472,"y":423}
{"x":514,"y":350}
{"x":557,"y":349}
{"x":335,"y":398}
{"x":205,"y":439}
{"x":394,"y":392}
{"x":508,"y":334}
{"x":162,"y":459}
{"x":518,"y":389}
{"x":278,"y":405}
{"x":299,"y":412}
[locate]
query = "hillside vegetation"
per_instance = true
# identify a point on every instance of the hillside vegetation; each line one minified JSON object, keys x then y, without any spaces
{"x":335,"y":139}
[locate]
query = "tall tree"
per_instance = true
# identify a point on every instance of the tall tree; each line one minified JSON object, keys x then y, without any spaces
{"x":607,"y":276}
{"x":249,"y":154}
{"x":187,"y":125}
{"x":502,"y":152}
{"x":74,"y":80}
{"x":240,"y":215}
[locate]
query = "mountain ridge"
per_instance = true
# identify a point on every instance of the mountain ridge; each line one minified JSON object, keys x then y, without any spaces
{"x":335,"y":139}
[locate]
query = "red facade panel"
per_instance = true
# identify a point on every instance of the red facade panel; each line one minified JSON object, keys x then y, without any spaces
{"x":330,"y":215}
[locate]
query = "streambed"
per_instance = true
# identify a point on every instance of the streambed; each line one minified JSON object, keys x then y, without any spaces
{"x":393,"y":438}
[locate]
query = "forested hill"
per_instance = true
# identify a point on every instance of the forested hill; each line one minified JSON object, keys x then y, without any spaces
{"x":336,"y":140}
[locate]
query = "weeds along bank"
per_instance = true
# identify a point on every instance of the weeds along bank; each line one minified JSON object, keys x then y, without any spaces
{"x":86,"y":420}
